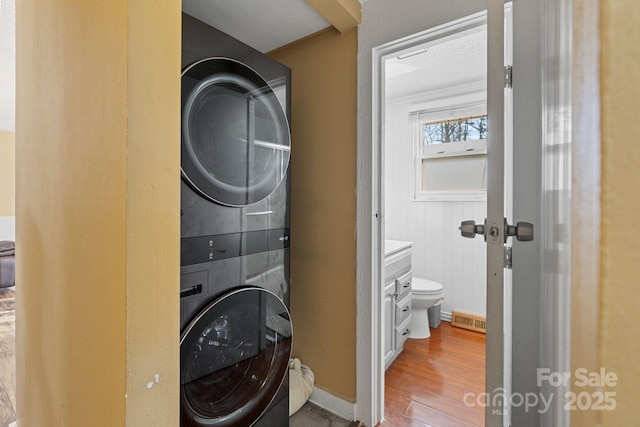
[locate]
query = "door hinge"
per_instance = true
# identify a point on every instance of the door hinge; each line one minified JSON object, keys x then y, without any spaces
{"x":508,"y":76}
{"x":508,"y":257}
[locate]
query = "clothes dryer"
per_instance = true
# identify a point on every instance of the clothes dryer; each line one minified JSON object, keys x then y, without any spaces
{"x":236,"y":333}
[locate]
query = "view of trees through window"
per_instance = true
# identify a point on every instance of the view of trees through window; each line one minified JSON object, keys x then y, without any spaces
{"x":465,"y":129}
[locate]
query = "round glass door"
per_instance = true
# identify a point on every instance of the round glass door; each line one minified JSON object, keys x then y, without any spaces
{"x":233,"y":358}
{"x":235,"y":135}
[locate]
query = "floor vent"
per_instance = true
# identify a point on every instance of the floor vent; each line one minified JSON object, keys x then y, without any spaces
{"x":469,"y":321}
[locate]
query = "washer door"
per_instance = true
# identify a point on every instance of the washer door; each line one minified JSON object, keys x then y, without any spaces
{"x":235,"y":135}
{"x":233,"y":358}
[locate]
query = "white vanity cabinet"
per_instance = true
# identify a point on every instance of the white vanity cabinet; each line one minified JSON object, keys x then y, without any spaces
{"x":397,"y":298}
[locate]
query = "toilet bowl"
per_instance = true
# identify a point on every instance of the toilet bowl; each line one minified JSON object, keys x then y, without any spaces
{"x":425,"y":293}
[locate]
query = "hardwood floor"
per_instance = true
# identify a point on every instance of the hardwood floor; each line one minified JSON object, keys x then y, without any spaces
{"x":7,"y":356}
{"x":426,"y":384}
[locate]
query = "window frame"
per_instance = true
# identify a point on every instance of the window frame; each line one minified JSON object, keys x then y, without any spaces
{"x":423,"y":152}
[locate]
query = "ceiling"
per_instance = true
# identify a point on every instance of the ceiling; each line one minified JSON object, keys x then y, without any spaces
{"x":263,"y":25}
{"x":443,"y":63}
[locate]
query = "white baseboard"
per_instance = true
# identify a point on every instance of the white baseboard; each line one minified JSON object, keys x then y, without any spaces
{"x":333,"y":404}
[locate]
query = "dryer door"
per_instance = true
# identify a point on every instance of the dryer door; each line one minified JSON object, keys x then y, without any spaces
{"x":233,"y":358}
{"x":235,"y":135}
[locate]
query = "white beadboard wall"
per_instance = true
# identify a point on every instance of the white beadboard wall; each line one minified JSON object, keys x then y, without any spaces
{"x":439,"y":252}
{"x":7,"y":228}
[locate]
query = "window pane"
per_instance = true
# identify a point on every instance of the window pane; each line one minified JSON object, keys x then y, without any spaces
{"x":463,"y":129}
{"x":445,"y":174}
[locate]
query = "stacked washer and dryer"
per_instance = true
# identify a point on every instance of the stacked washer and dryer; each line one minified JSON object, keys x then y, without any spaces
{"x":234,"y":279}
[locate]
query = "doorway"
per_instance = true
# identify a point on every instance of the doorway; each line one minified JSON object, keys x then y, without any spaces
{"x":411,"y":19}
{"x":433,"y":162}
{"x":535,"y":23}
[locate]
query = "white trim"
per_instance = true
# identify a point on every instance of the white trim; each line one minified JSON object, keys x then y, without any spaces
{"x":451,"y":109}
{"x":333,"y":404}
{"x":369,"y":333}
{"x":508,"y":206}
{"x":436,"y":95}
{"x":454,"y":149}
{"x":451,"y":196}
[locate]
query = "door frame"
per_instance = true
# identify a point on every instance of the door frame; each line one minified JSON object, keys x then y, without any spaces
{"x":370,"y":342}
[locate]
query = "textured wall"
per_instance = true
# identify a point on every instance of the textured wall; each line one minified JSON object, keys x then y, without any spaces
{"x":620,"y":249}
{"x":323,"y":207}
{"x":97,"y":173}
{"x":605,"y":268}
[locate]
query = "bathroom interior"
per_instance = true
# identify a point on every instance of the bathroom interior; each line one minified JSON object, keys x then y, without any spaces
{"x":428,"y":193}
{"x":435,"y":177}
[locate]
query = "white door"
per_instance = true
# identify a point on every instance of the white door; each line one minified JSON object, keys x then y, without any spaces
{"x":496,"y":228}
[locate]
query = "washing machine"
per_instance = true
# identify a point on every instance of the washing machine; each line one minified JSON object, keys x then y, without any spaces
{"x":236,"y":332}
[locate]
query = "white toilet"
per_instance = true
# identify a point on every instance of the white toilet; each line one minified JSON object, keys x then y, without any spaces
{"x":424,"y":294}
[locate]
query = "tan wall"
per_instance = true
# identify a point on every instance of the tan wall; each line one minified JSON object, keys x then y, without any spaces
{"x":620,"y":248}
{"x":7,"y":173}
{"x":97,"y":163}
{"x":605,"y":312}
{"x":323,"y":207}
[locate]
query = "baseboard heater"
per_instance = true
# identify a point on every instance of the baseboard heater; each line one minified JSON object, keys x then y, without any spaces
{"x":469,"y":321}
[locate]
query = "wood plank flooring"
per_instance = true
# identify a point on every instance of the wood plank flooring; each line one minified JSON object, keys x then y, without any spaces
{"x":7,"y":356}
{"x":425,"y":385}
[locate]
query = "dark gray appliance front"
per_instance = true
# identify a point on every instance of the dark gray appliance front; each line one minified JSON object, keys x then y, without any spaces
{"x":236,"y":334}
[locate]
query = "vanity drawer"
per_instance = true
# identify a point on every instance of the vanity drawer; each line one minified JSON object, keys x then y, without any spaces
{"x":402,"y":332}
{"x":403,"y":309}
{"x":403,"y":285}
{"x":397,"y":263}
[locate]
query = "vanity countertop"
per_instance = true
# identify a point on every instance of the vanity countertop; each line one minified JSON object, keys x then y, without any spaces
{"x":391,"y":246}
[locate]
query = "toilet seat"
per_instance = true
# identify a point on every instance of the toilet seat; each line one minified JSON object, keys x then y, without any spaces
{"x":422,"y":286}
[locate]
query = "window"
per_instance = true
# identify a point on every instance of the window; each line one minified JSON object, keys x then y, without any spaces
{"x":455,"y":130}
{"x":451,"y":147}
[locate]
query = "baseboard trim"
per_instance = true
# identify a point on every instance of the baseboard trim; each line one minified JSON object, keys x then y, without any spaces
{"x":333,"y":404}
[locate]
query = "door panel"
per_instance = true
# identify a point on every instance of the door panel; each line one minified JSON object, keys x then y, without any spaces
{"x":494,"y":226}
{"x":495,"y":229}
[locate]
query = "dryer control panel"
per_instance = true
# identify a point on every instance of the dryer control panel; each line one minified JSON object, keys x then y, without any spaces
{"x":196,"y":250}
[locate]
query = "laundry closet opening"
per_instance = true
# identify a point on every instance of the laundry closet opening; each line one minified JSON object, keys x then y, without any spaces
{"x":433,"y":176}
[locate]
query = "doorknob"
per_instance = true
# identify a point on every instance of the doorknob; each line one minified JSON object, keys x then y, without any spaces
{"x":470,"y":229}
{"x":522,"y":231}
